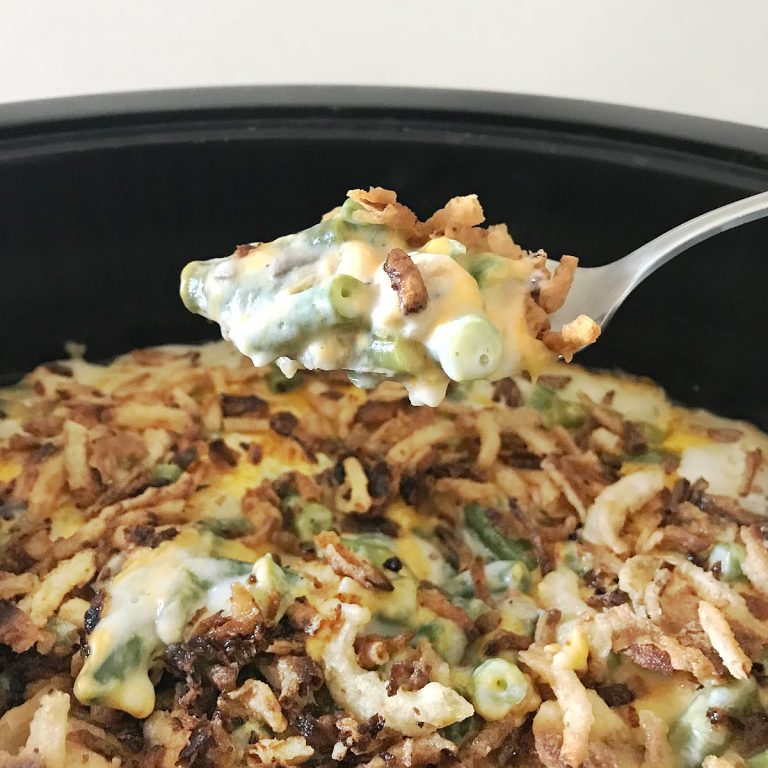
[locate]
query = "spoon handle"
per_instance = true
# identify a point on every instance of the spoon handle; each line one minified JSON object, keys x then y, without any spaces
{"x":654,"y":254}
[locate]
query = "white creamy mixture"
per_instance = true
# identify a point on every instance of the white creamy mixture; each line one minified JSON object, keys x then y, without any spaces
{"x":288,"y":301}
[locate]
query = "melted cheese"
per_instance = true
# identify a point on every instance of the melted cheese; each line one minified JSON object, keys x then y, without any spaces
{"x":65,"y":521}
{"x":666,"y":698}
{"x":8,"y":471}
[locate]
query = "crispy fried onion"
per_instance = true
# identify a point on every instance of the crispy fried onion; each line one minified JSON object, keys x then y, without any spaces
{"x":720,"y":594}
{"x":755,"y":565}
{"x":379,"y":206}
{"x":364,"y":694}
{"x":44,"y":718}
{"x":649,"y":645}
{"x":612,"y":741}
{"x":409,"y":753}
{"x":720,"y":635}
{"x":608,"y":513}
{"x":278,"y":752}
{"x":572,"y":337}
{"x":573,"y":702}
{"x":643,"y":580}
{"x":406,"y":281}
{"x":254,"y":699}
{"x":344,"y":562}
{"x":554,"y":291}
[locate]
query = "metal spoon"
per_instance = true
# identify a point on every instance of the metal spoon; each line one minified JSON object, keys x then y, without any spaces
{"x":600,"y":291}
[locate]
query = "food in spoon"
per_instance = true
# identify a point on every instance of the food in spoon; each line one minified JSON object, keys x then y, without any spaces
{"x":373,"y":291}
{"x":206,"y":563}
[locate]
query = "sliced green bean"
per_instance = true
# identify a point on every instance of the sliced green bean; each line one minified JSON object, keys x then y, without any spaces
{"x":193,"y":285}
{"x":652,"y":456}
{"x":445,"y":637}
{"x":297,"y":318}
{"x":727,"y":559}
{"x":388,"y":356}
{"x":127,"y":656}
{"x":292,"y":318}
{"x":470,"y":348}
{"x":574,"y":557}
{"x":165,"y":474}
{"x":554,"y":409}
{"x":498,"y":686}
{"x":311,"y":518}
{"x":694,"y":735}
{"x":227,"y":527}
{"x":500,"y":576}
{"x":486,"y":268}
{"x":373,"y":547}
{"x":504,"y":548}
{"x":457,"y":732}
{"x":508,"y":574}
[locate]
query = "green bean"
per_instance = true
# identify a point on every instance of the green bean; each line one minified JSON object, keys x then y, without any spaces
{"x":508,"y":574}
{"x":760,"y":760}
{"x":694,"y":735}
{"x":470,"y":348}
{"x":227,"y":527}
{"x":388,"y":356}
{"x":652,"y":456}
{"x":290,"y":320}
{"x":445,"y":637}
{"x":460,"y":585}
{"x":165,"y":474}
{"x":504,"y":548}
{"x":500,"y":576}
{"x":728,"y":559}
{"x":653,"y":434}
{"x":300,"y":316}
{"x":311,"y":518}
{"x":555,"y":409}
{"x":374,"y":234}
{"x":456,"y":732}
{"x":193,"y":281}
{"x":127,"y":656}
{"x":472,"y":606}
{"x":498,"y":686}
{"x":373,"y":547}
{"x":327,"y":234}
{"x":456,"y":392}
{"x":486,"y":268}
{"x":574,"y":557}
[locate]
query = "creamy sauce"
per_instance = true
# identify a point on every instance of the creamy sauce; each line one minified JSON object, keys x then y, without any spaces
{"x":290,"y":301}
{"x":149,"y":605}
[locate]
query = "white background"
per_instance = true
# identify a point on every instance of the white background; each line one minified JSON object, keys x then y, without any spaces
{"x":704,"y":57}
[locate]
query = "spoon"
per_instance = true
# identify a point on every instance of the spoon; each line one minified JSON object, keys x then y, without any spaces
{"x":600,"y":291}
